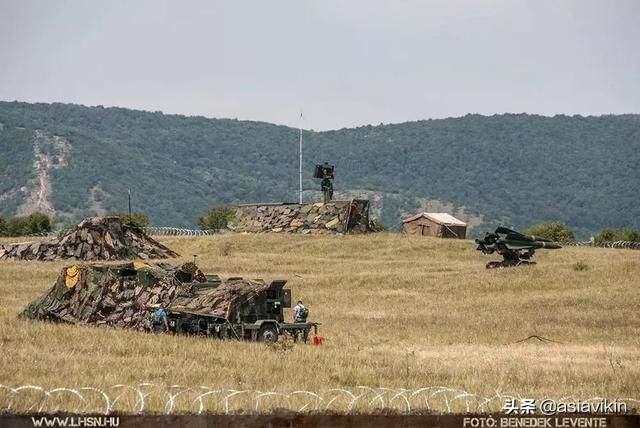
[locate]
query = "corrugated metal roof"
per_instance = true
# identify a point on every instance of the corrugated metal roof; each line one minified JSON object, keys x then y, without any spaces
{"x":440,"y":218}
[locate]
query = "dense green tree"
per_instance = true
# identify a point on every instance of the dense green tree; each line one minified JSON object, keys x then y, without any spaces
{"x":217,"y":218}
{"x":556,"y":231}
{"x":632,"y":235}
{"x":611,"y":234}
{"x":606,"y":235}
{"x":32,"y":224}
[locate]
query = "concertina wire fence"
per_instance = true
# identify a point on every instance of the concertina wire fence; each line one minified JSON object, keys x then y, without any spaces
{"x":179,"y":231}
{"x":162,"y":399}
{"x":184,"y":231}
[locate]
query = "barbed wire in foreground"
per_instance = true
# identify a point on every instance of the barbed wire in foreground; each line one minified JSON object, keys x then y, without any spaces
{"x":171,"y":399}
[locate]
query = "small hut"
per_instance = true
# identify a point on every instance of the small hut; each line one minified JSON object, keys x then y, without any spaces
{"x":442,"y":225}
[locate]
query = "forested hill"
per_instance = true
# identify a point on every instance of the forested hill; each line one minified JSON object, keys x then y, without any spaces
{"x":514,"y":169}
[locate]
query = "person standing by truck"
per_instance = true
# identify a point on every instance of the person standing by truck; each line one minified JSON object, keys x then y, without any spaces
{"x":300,"y":312}
{"x":159,"y":322}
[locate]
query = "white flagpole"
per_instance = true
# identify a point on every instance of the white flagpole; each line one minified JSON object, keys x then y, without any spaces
{"x":300,"y":161}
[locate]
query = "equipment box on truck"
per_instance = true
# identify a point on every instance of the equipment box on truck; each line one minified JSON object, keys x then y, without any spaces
{"x":237,"y":309}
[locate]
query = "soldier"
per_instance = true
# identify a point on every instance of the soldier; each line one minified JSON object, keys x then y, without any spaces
{"x":159,"y":322}
{"x":327,"y":189}
{"x":300,"y":312}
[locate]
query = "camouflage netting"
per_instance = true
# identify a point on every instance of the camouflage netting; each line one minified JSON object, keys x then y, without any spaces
{"x":96,"y":238}
{"x":319,"y":218}
{"x":221,"y":301}
{"x":124,"y":295}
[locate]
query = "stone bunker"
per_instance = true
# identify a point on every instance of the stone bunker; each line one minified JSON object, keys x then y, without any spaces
{"x":318,"y":218}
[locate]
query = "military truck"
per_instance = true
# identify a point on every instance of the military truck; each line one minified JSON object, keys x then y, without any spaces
{"x":257,"y":315}
{"x":125,"y":295}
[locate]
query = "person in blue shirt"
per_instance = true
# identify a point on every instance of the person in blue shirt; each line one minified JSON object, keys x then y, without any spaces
{"x":300,"y":312}
{"x":159,"y":322}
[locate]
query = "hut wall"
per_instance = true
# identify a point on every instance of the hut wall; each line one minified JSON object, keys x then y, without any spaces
{"x":426,"y":227}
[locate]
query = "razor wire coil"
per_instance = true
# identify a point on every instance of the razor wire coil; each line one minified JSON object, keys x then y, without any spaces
{"x":174,"y":399}
{"x":185,"y":231}
{"x":633,"y":245}
{"x":177,"y":231}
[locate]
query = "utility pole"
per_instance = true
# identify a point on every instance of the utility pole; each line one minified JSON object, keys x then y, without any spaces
{"x":300,"y":161}
{"x":129,"y":204}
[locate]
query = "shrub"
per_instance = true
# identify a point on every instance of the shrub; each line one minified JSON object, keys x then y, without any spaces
{"x":580,"y":266}
{"x":605,"y":235}
{"x":611,"y":234}
{"x":377,"y":225}
{"x":137,"y":219}
{"x":632,"y":235}
{"x":217,"y":218}
{"x":3,"y":227}
{"x":555,"y":231}
{"x":32,"y":224}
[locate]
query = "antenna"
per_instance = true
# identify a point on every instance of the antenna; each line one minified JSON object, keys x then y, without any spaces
{"x":129,"y":205}
{"x":300,"y":162}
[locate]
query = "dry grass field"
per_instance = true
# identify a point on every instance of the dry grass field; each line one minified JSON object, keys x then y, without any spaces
{"x":396,"y":312}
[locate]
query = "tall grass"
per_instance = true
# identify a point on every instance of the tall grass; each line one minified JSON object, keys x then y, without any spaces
{"x":396,"y":311}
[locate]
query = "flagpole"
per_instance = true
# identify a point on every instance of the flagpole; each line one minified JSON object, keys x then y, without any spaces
{"x":300,"y":162}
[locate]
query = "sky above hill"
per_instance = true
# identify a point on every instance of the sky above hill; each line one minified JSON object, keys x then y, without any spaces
{"x":345,"y":63}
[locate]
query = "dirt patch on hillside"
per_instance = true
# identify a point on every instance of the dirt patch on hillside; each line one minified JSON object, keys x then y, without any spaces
{"x":50,"y":152}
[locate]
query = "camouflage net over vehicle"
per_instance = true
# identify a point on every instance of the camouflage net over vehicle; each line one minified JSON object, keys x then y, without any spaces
{"x":96,"y":238}
{"x":319,"y":218}
{"x":123,"y":295}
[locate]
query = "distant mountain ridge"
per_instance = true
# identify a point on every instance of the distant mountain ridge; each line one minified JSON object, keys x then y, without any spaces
{"x":514,"y":169}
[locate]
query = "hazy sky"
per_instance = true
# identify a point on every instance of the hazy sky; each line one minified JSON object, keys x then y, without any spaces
{"x":344,"y":63}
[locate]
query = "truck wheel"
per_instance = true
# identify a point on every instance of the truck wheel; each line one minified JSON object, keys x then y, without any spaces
{"x":268,"y":333}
